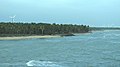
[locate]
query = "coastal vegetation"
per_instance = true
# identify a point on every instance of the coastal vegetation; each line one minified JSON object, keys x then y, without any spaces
{"x":28,"y":29}
{"x":103,"y":28}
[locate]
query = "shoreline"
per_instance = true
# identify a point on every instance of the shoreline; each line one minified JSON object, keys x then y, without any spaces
{"x":29,"y":37}
{"x":38,"y":36}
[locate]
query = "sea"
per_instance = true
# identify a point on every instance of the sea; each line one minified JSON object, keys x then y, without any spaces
{"x":96,"y":49}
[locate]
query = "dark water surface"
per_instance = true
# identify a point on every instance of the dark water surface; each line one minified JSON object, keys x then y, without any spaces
{"x":98,"y":49}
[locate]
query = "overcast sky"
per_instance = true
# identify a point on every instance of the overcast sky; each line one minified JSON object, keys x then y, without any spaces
{"x":89,"y":12}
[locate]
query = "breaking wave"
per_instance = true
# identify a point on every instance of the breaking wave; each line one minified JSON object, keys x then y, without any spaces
{"x":42,"y":63}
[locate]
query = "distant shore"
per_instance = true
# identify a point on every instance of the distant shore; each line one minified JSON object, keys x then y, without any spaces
{"x":28,"y":37}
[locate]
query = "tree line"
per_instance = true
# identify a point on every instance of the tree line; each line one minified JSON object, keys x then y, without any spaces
{"x":104,"y":28}
{"x":40,"y":29}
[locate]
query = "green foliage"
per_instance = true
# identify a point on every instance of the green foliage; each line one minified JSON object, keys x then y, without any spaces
{"x":40,"y":28}
{"x":103,"y":28}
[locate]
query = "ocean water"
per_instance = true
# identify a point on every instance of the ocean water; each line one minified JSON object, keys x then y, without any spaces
{"x":97,"y":49}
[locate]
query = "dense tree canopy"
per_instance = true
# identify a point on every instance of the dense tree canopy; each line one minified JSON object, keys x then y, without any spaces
{"x":104,"y":28}
{"x":40,"y":28}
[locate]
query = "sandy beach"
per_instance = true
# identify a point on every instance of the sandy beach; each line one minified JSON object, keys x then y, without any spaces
{"x":28,"y":37}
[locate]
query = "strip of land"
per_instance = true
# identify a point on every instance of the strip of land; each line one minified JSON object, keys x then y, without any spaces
{"x":29,"y":37}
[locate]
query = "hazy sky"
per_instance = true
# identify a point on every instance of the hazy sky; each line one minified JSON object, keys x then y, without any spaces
{"x":90,"y":12}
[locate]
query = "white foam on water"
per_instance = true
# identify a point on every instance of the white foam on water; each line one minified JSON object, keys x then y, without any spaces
{"x":107,"y":35}
{"x":42,"y":63}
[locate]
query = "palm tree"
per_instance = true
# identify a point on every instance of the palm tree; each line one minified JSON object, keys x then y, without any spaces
{"x":42,"y":29}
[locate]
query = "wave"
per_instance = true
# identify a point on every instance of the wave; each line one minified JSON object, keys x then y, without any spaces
{"x":112,"y":34}
{"x":114,"y":59}
{"x":116,"y":42}
{"x":42,"y":63}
